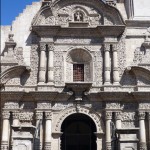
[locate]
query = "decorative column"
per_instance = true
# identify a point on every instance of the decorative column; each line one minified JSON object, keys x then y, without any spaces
{"x":39,"y":119}
{"x":118,"y":120}
{"x":142,"y":133}
{"x":115,"y":64}
{"x":107,"y":67}
{"x":108,"y":117}
{"x":5,"y":131}
{"x":149,"y":128}
{"x":15,"y":118}
{"x":48,"y":130}
{"x":42,"y":69}
{"x":51,"y":64}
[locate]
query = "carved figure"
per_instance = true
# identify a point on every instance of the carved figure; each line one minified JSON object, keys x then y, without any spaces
{"x":78,"y":16}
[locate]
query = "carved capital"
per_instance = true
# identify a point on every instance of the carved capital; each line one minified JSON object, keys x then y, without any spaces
{"x":141,"y":115}
{"x":108,"y":145}
{"x":51,"y":47}
{"x":42,"y":46}
{"x":143,"y":146}
{"x":115,"y":47}
{"x":26,"y":116}
{"x":39,"y":115}
{"x":108,"y":115}
{"x":6,"y":114}
{"x":48,"y":115}
{"x":15,"y":115}
{"x":47,"y":145}
{"x":106,"y":47}
{"x":118,"y":115}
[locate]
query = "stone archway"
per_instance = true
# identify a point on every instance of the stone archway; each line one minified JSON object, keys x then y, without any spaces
{"x":78,"y":133}
{"x":81,"y":110}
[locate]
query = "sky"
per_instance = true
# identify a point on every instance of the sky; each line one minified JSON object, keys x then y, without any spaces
{"x":10,"y":9}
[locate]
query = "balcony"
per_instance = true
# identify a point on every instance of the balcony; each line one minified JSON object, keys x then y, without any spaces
{"x":79,"y":89}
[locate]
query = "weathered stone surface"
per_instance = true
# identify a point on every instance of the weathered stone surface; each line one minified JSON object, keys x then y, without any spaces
{"x":38,"y":90}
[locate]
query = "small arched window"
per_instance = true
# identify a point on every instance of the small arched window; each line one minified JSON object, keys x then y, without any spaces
{"x":78,"y":16}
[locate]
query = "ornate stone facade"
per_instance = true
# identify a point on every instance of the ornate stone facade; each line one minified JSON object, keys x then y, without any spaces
{"x":38,"y":90}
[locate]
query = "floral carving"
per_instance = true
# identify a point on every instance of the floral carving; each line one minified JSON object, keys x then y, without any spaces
{"x":108,"y":115}
{"x":39,"y":115}
{"x":34,"y":65}
{"x":141,"y":115}
{"x":15,"y":115}
{"x":6,"y":114}
{"x":58,"y":68}
{"x":26,"y":116}
{"x":71,"y":110}
{"x":113,"y":106}
{"x":11,"y":105}
{"x":43,"y":105}
{"x":48,"y":115}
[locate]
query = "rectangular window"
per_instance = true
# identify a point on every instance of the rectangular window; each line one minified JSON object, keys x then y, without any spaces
{"x":78,"y":72}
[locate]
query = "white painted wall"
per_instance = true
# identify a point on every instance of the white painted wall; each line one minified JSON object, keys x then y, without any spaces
{"x":141,"y":9}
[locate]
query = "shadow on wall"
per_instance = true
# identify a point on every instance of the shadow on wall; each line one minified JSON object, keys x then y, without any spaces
{"x":128,"y":78}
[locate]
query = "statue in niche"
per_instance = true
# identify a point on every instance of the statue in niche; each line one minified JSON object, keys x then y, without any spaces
{"x":78,"y":16}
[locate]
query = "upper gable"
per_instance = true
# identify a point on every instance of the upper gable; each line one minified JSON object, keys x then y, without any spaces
{"x":65,"y":12}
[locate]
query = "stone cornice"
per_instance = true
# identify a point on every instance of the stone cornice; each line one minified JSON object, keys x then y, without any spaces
{"x":99,"y":31}
{"x":52,"y":96}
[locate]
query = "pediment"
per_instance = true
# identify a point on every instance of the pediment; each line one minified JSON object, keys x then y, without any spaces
{"x":64,"y":13}
{"x":136,"y":76}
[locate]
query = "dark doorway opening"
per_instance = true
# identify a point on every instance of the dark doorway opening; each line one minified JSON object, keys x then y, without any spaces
{"x":78,"y":133}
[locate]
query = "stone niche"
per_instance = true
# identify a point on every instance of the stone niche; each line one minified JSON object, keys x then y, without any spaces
{"x":79,"y":56}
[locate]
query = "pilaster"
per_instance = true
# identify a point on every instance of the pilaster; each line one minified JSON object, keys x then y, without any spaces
{"x":48,"y":130}
{"x":39,"y":119}
{"x":118,"y":120}
{"x":115,"y":64}
{"x":15,"y":118}
{"x":142,"y":131}
{"x":51,"y":64}
{"x":107,"y":67}
{"x":108,"y":117}
{"x":42,"y":69}
{"x":5,"y":131}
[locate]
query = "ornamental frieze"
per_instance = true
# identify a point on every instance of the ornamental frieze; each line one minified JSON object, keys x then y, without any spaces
{"x":11,"y":105}
{"x":26,"y":116}
{"x":79,"y":109}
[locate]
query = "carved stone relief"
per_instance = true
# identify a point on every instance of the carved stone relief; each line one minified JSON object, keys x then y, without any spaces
{"x":58,"y":68}
{"x":129,"y":120}
{"x":26,"y":118}
{"x":98,"y":71}
{"x":11,"y":105}
{"x":141,"y":57}
{"x":34,"y":57}
{"x":14,"y":81}
{"x":43,"y":105}
{"x":64,"y":114}
{"x":121,"y":54}
{"x":64,"y":15}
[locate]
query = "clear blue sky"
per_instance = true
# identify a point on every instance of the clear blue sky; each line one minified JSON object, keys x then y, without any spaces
{"x":11,"y":9}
